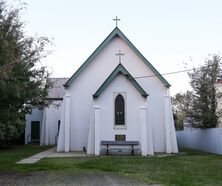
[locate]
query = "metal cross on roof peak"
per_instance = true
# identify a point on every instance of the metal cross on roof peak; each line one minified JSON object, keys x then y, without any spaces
{"x":116,"y":19}
{"x":120,"y":54}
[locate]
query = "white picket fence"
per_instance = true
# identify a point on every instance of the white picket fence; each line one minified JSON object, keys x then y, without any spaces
{"x":207,"y":140}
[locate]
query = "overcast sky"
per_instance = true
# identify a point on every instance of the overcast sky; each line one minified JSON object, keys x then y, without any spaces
{"x":167,"y":33}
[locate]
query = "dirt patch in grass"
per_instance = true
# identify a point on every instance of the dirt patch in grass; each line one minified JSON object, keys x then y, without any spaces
{"x":15,"y":178}
{"x":67,"y":178}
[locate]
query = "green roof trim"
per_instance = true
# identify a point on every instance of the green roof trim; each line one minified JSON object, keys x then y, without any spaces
{"x":116,"y":32}
{"x":120,"y":70}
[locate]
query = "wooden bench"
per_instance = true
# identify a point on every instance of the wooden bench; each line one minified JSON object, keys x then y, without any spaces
{"x":131,"y":145}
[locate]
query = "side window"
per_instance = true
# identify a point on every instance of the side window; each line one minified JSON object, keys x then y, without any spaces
{"x":119,"y":110}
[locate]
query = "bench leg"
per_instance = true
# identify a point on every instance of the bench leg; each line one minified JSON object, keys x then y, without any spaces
{"x":132,"y":151}
{"x":107,"y":150}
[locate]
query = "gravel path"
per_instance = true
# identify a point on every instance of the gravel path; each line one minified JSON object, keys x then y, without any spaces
{"x":65,"y":179}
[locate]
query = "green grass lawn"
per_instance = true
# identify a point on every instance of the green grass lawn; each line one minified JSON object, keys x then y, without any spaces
{"x":192,"y":168}
{"x":9,"y":156}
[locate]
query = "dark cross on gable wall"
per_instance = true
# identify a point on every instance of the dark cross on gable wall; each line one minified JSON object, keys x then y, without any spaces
{"x":120,"y":55}
{"x":116,"y":19}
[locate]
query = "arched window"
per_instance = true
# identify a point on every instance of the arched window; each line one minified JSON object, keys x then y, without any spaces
{"x":119,"y":110}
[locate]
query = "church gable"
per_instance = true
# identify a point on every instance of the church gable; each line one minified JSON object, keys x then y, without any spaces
{"x":120,"y":70}
{"x":114,"y":33}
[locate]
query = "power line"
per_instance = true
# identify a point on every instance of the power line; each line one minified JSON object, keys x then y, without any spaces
{"x":168,"y":73}
{"x":153,"y":75}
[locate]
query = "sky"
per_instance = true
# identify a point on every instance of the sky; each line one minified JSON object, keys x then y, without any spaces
{"x":173,"y":35}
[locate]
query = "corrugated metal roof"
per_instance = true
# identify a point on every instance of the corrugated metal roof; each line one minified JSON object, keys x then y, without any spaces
{"x":58,"y":90}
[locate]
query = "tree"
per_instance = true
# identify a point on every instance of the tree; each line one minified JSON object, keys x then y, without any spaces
{"x":199,"y":107}
{"x":203,"y":111}
{"x":24,"y":82}
{"x":181,"y":103}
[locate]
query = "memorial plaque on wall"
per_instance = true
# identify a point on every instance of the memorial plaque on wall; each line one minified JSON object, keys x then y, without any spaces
{"x":120,"y":137}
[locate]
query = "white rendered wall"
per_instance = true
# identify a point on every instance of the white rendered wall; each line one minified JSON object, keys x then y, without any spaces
{"x":93,"y":76}
{"x":61,"y":137}
{"x":50,"y":126}
{"x":133,"y":102}
{"x":36,"y":115}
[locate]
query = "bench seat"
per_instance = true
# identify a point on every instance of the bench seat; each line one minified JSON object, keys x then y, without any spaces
{"x":119,"y":142}
{"x":130,"y":146}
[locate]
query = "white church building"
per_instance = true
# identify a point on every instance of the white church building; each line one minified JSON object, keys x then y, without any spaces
{"x":43,"y":124}
{"x":116,"y":95}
